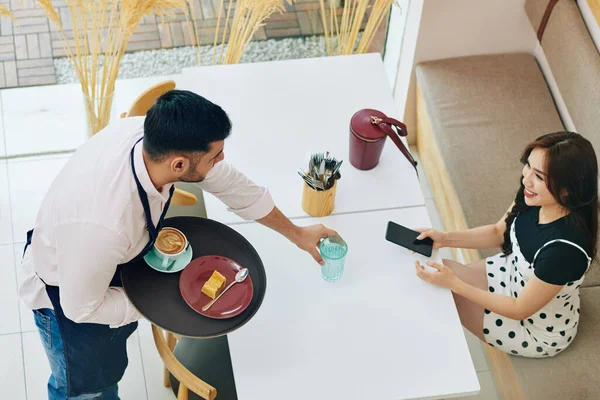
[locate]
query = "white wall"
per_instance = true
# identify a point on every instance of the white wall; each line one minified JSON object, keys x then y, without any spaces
{"x":468,"y":27}
{"x":407,"y":56}
{"x":451,"y":28}
{"x":395,"y":37}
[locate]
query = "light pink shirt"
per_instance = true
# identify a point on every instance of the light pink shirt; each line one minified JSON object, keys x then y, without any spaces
{"x":92,"y":220}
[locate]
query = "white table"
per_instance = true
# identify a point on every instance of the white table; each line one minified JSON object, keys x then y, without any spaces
{"x":61,"y":111}
{"x":378,"y":333}
{"x":283,"y":111}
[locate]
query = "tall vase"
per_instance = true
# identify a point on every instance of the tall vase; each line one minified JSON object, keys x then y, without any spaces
{"x":98,"y":109}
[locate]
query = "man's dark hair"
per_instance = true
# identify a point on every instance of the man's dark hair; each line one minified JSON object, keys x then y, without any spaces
{"x":182,"y":121}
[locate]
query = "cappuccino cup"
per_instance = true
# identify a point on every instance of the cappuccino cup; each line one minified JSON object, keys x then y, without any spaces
{"x":170,"y":244}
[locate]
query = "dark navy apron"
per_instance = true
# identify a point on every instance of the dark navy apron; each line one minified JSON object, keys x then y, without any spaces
{"x":96,"y":355}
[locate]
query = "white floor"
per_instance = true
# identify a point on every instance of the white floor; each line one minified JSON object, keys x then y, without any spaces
{"x":38,"y":120}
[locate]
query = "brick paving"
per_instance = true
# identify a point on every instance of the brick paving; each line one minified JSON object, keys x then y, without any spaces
{"x":27,"y":47}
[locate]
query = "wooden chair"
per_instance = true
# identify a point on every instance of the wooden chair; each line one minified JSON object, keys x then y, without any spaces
{"x":187,"y":380}
{"x":140,"y":107}
{"x":144,"y":101}
{"x":165,"y":346}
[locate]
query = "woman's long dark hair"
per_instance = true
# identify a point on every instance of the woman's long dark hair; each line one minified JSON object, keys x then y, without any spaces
{"x":572,"y":178}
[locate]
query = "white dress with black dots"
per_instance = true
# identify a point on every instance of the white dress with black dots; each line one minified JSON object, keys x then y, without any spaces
{"x":544,"y":334}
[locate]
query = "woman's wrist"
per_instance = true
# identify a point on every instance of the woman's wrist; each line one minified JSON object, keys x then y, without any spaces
{"x":445,"y":239}
{"x":458,"y":286}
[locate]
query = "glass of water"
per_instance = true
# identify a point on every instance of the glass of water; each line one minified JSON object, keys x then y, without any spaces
{"x":333,"y":250}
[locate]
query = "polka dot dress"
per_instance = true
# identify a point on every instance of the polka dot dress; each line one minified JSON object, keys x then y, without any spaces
{"x":544,"y":334}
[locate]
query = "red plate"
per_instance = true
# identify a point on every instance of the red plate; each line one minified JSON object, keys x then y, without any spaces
{"x":195,"y":275}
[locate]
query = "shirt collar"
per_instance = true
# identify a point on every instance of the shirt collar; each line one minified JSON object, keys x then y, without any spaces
{"x":144,"y":177}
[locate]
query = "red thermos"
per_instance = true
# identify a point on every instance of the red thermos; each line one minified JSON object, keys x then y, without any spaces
{"x":368,"y":130}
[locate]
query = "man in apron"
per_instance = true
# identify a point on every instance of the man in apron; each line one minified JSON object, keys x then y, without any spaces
{"x":105,"y":209}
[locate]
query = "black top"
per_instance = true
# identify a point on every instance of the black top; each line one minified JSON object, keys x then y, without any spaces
{"x":558,"y":263}
{"x":156,"y":294}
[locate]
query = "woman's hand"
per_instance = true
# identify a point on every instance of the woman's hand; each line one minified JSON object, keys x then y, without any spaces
{"x":444,"y":276}
{"x":438,"y":238}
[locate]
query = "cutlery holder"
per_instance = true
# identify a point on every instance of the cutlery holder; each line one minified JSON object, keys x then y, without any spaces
{"x":318,"y":203}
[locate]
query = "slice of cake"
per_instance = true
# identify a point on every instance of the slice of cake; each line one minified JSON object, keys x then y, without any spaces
{"x":214,"y":285}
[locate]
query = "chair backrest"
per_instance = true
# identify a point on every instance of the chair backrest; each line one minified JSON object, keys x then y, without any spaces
{"x":142,"y":104}
{"x":573,"y":58}
{"x":575,"y":64}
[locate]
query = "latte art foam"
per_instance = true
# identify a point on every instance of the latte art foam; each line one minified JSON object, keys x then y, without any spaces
{"x":170,"y":241}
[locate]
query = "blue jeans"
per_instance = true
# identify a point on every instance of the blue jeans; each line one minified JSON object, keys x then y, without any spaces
{"x":45,"y":320}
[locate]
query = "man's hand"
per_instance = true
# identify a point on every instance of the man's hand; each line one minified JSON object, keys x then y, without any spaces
{"x":307,"y":238}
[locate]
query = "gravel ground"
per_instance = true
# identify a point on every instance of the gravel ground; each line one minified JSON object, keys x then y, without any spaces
{"x":171,"y":61}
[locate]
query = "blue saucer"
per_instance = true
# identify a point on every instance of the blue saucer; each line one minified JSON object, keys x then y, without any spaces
{"x":182,"y":261}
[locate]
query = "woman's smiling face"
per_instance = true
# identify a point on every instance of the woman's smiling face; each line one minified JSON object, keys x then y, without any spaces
{"x":534,"y":180}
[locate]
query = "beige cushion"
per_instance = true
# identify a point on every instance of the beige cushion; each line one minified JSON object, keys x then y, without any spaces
{"x":575,"y":64}
{"x":592,"y":278}
{"x":575,"y":373}
{"x":483,"y":111}
{"x":535,"y":11}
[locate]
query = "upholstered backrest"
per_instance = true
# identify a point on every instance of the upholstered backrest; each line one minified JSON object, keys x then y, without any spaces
{"x":575,"y":64}
{"x":574,"y":61}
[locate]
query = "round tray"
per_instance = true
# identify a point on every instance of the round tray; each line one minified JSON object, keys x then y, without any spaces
{"x":157,"y":297}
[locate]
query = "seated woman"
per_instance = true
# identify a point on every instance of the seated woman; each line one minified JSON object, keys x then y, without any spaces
{"x":525,"y":300}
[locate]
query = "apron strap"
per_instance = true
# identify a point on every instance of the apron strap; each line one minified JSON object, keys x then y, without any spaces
{"x":93,"y":368}
{"x":28,"y":242}
{"x":152,"y":230}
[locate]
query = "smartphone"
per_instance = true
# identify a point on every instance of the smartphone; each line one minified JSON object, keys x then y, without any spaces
{"x":407,"y":238}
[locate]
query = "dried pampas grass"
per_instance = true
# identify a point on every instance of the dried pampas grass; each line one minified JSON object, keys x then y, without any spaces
{"x":5,"y":12}
{"x":342,"y":36}
{"x":101,"y":31}
{"x":248,"y":17}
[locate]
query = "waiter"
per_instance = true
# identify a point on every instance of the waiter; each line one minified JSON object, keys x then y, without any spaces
{"x":103,"y":210}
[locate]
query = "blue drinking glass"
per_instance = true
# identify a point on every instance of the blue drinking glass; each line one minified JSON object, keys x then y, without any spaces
{"x":333,"y":251}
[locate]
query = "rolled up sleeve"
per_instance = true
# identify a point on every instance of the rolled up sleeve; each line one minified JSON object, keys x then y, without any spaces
{"x":241,"y":195}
